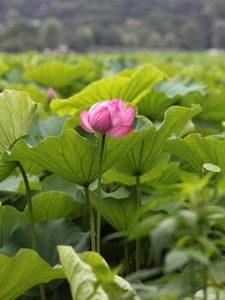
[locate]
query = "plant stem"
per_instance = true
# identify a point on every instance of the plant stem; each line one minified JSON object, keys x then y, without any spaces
{"x":205,"y":280}
{"x":55,"y":294}
{"x":42,"y":292}
{"x":99,"y":193}
{"x":31,"y":221}
{"x":205,"y":268}
{"x":138,"y":241}
{"x":30,"y":211}
{"x":191,"y":280}
{"x":126,"y":257}
{"x":217,"y":295}
{"x":91,"y":219}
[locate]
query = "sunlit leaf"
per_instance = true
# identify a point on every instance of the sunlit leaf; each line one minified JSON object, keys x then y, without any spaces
{"x":72,"y":156}
{"x":116,"y":176}
{"x":36,"y":93}
{"x":145,"y":155}
{"x":180,"y":87}
{"x":176,"y":259}
{"x":56,"y":73}
{"x":197,"y":151}
{"x":16,"y":112}
{"x":166,"y":93}
{"x":212,"y":104}
{"x":84,"y":275}
{"x":211,"y":168}
{"x":128,"y":89}
{"x":55,"y":205}
{"x":58,"y":183}
{"x":47,"y":126}
{"x":3,"y":68}
{"x":117,"y":212}
{"x":23,"y":271}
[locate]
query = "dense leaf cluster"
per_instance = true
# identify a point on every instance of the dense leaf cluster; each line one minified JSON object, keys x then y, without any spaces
{"x":173,"y":159}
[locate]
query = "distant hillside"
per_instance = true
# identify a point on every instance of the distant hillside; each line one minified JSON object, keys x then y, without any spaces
{"x":84,"y":24}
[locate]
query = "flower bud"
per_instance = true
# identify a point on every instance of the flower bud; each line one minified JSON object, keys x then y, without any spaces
{"x":109,"y":117}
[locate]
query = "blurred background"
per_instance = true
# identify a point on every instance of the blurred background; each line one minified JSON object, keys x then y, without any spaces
{"x":83,"y":25}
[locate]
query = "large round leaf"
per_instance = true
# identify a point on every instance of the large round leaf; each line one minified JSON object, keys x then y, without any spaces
{"x":10,"y":220}
{"x":60,"y":184}
{"x":16,"y":112}
{"x":74,"y":157}
{"x":38,"y":94}
{"x":128,"y":89}
{"x":198,"y":150}
{"x":156,"y":172}
{"x":3,"y":68}
{"x":23,"y":271}
{"x":50,"y":234}
{"x":55,"y":205}
{"x":56,"y":73}
{"x":117,"y":212}
{"x":212,"y":104}
{"x":144,"y":156}
{"x":165,"y":94}
{"x":46,"y":126}
{"x":15,"y":184}
{"x":90,"y":277}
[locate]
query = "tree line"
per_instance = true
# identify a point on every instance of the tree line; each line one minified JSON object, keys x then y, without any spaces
{"x":83,"y":25}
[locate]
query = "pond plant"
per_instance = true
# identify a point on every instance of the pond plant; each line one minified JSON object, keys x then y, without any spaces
{"x":115,"y":192}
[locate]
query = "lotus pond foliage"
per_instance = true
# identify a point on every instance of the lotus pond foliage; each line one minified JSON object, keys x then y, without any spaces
{"x":112,"y":181}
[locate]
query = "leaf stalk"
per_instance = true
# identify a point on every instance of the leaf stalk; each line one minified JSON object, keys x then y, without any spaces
{"x":138,"y":241}
{"x":101,"y":156}
{"x":31,"y":221}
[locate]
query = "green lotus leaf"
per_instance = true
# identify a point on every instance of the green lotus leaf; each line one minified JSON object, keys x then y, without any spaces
{"x":23,"y":271}
{"x":37,"y":94}
{"x":166,"y":93}
{"x":16,"y":112}
{"x":154,"y":173}
{"x":74,"y":157}
{"x":117,"y":212}
{"x":58,"y":183}
{"x":15,"y":184}
{"x":129,"y":89}
{"x":3,"y":68}
{"x":10,"y":220}
{"x":57,"y":74}
{"x":198,"y":151}
{"x":144,"y":156}
{"x":49,"y":235}
{"x":48,"y":126}
{"x":154,"y":103}
{"x":86,"y":272}
{"x":55,"y":205}
{"x":180,"y":87}
{"x":212,"y":104}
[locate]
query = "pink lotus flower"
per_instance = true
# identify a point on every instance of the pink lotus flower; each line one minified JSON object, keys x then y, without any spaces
{"x":109,"y":117}
{"x":173,"y":79}
{"x":51,"y":93}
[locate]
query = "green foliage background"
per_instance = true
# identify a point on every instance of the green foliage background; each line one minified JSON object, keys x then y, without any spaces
{"x":177,"y":149}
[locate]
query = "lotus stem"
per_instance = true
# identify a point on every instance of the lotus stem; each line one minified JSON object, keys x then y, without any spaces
{"x":30,"y":211}
{"x":126,"y":257}
{"x":91,"y":219}
{"x":205,"y":279}
{"x":31,"y":221}
{"x":98,"y":243}
{"x":138,"y":241}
